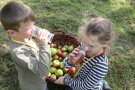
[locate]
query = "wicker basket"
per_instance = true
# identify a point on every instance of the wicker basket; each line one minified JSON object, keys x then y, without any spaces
{"x":61,"y":38}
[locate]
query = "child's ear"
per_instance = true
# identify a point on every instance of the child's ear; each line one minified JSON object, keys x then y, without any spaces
{"x":11,"y":32}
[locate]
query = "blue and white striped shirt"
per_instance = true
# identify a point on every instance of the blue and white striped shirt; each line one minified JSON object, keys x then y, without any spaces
{"x":90,"y":75}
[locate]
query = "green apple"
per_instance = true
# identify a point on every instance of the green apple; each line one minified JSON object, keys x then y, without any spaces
{"x":61,"y":65}
{"x":70,"y":48}
{"x":66,"y":74}
{"x":53,"y":70}
{"x":53,"y":51}
{"x":52,"y":45}
{"x":53,"y":76}
{"x":56,"y":63}
{"x":51,"y":64}
{"x":59,"y":47}
{"x":59,"y":73}
{"x":64,"y":54}
{"x":66,"y":46}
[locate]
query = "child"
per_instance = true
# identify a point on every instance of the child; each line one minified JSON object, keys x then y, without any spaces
{"x":32,"y":62}
{"x":97,"y":35}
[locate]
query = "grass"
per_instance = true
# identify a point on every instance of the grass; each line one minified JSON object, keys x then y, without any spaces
{"x":68,"y":15}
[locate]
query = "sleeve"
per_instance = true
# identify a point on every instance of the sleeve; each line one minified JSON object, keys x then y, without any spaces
{"x":26,"y":59}
{"x":97,"y":73}
{"x":66,"y":64}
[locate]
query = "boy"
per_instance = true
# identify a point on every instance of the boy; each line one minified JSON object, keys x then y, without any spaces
{"x":32,"y":62}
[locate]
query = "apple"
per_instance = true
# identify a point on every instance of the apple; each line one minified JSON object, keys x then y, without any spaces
{"x":52,"y":45}
{"x":60,"y":59}
{"x":64,"y":57}
{"x":56,"y":63}
{"x":51,"y":64}
{"x":71,"y":71}
{"x":66,"y":46}
{"x":55,"y":57}
{"x":59,"y":73}
{"x":59,"y":47}
{"x":49,"y":74}
{"x":70,"y":48}
{"x":66,"y":74}
{"x":53,"y":51}
{"x":65,"y":70}
{"x":53,"y":70}
{"x":64,"y":54}
{"x":61,"y":65}
{"x":53,"y":76}
{"x":63,"y":49}
{"x":59,"y":53}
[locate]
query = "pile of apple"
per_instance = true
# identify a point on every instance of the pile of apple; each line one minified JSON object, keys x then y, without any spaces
{"x":58,"y":54}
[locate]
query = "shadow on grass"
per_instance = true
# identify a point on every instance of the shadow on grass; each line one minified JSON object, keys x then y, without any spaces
{"x":8,"y":73}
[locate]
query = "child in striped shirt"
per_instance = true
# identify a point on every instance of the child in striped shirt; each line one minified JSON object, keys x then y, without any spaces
{"x":97,"y":35}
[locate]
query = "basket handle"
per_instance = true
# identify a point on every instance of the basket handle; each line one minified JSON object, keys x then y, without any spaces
{"x":58,"y":31}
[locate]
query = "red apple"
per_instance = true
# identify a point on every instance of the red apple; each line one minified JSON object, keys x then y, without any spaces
{"x":55,"y":57}
{"x":59,"y":73}
{"x":59,"y":53}
{"x":71,"y":71}
{"x":56,"y":63}
{"x":65,"y":70}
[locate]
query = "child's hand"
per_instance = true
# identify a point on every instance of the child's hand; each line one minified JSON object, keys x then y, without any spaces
{"x":73,"y":53}
{"x":42,"y":37}
{"x":60,"y":80}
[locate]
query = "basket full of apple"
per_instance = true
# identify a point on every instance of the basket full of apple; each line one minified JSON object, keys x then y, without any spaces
{"x":61,"y":46}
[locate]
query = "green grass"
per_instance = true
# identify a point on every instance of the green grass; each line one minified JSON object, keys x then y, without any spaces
{"x":68,"y":15}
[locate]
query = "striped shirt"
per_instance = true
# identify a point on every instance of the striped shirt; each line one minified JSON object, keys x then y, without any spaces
{"x":90,"y":75}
